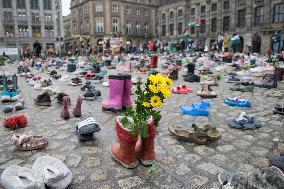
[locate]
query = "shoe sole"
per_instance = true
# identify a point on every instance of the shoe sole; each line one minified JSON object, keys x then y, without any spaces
{"x":146,"y":162}
{"x":112,"y":110}
{"x":43,"y":103}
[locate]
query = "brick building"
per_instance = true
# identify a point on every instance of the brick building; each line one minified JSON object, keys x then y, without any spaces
{"x":24,"y":21}
{"x":93,"y":20}
{"x":221,"y":16}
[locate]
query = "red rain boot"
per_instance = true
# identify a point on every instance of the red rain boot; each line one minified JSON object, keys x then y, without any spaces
{"x":22,"y":121}
{"x":65,"y":113}
{"x":126,"y":96}
{"x":124,"y":150}
{"x":116,"y":84}
{"x":145,"y":146}
{"x":77,"y":110}
{"x":154,"y":62}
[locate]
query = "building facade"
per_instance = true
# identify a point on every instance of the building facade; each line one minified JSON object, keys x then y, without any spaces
{"x":221,"y":16}
{"x":94,"y":20}
{"x":24,"y":21}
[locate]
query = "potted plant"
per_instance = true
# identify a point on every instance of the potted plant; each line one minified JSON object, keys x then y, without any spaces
{"x":141,"y":121}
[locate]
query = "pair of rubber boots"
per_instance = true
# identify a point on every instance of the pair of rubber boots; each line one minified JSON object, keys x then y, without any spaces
{"x":128,"y":148}
{"x":76,"y":111}
{"x":119,"y":93}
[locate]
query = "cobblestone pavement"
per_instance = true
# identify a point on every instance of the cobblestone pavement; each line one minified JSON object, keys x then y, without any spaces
{"x":179,"y":164}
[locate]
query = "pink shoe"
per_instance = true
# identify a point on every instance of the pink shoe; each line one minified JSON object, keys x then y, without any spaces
{"x":65,"y":113}
{"x":116,"y":86}
{"x":126,"y":96}
{"x":77,"y":110}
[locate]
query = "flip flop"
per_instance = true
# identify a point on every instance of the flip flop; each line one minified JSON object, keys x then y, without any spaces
{"x":183,"y":89}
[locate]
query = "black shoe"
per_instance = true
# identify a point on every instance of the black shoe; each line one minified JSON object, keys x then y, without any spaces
{"x":89,"y":95}
{"x":60,"y":97}
{"x":192,"y":78}
{"x":43,"y":100}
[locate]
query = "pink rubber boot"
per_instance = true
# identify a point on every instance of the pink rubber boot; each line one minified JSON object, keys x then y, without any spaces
{"x":114,"y":102}
{"x":126,"y":96}
{"x":65,"y":113}
{"x":77,"y":110}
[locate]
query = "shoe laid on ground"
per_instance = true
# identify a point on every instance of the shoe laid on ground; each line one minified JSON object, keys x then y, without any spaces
{"x":43,"y":99}
{"x":53,"y":172}
{"x":87,"y":126}
{"x":26,"y":141}
{"x":237,"y":101}
{"x":242,"y":87}
{"x":244,"y":122}
{"x":16,"y":177}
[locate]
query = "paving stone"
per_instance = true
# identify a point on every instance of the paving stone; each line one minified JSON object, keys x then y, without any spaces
{"x":198,"y":181}
{"x":131,"y":182}
{"x":210,"y":168}
{"x":99,"y":175}
{"x":11,"y":162}
{"x":74,"y":160}
{"x":182,"y":169}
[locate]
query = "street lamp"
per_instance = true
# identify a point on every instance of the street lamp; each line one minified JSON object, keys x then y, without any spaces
{"x":58,"y":11}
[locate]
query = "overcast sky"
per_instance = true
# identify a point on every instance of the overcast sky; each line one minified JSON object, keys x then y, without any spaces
{"x":65,"y":7}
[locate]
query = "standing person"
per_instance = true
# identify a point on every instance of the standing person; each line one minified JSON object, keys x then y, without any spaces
{"x":226,"y":43}
{"x":37,"y":48}
{"x":276,"y":43}
{"x":256,"y":42}
{"x":235,"y":42}
{"x":220,"y":40}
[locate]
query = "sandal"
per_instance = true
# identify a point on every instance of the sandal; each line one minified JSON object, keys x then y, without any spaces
{"x":27,"y":142}
{"x":183,"y":89}
{"x":212,"y":133}
{"x":244,"y":122}
{"x":237,"y":101}
{"x":195,"y":137}
{"x":206,"y":92}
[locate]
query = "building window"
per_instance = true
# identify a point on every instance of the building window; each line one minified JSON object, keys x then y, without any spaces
{"x":146,"y":13}
{"x":203,"y":9}
{"x":128,"y":26}
{"x":137,"y":26}
{"x":99,"y":25}
{"x":226,"y":23}
{"x":115,"y":24}
{"x":164,"y":30}
{"x":180,"y":28}
{"x":34,"y":4}
{"x":47,"y":16}
{"x":171,"y":15}
{"x":192,"y":11}
{"x":146,"y":28}
{"x":49,"y":31}
{"x":47,"y":4}
{"x":9,"y":31}
{"x":214,"y":25}
{"x":86,"y":11}
{"x":171,"y":29}
{"x":8,"y":16}
{"x":35,"y":17}
{"x":21,"y":16}
{"x":278,"y":13}
{"x":202,"y":26}
{"x":128,"y":10}
{"x":163,"y":16}
{"x":99,"y":7}
{"x":241,"y":18}
{"x":114,"y":7}
{"x":21,"y":4}
{"x":7,"y":4}
{"x":138,"y":11}
{"x":23,"y":31}
{"x":226,"y":5}
{"x":36,"y":30}
{"x":214,"y":7}
{"x":180,"y":13}
{"x":258,"y":15}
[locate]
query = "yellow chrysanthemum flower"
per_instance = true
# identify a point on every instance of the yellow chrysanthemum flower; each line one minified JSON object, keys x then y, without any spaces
{"x":153,"y":79}
{"x":146,"y":104}
{"x":166,"y":91}
{"x":169,"y":82}
{"x":156,"y":101}
{"x":153,"y":88}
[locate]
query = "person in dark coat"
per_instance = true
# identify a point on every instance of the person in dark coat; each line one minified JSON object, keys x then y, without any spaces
{"x":37,"y":48}
{"x":256,"y":43}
